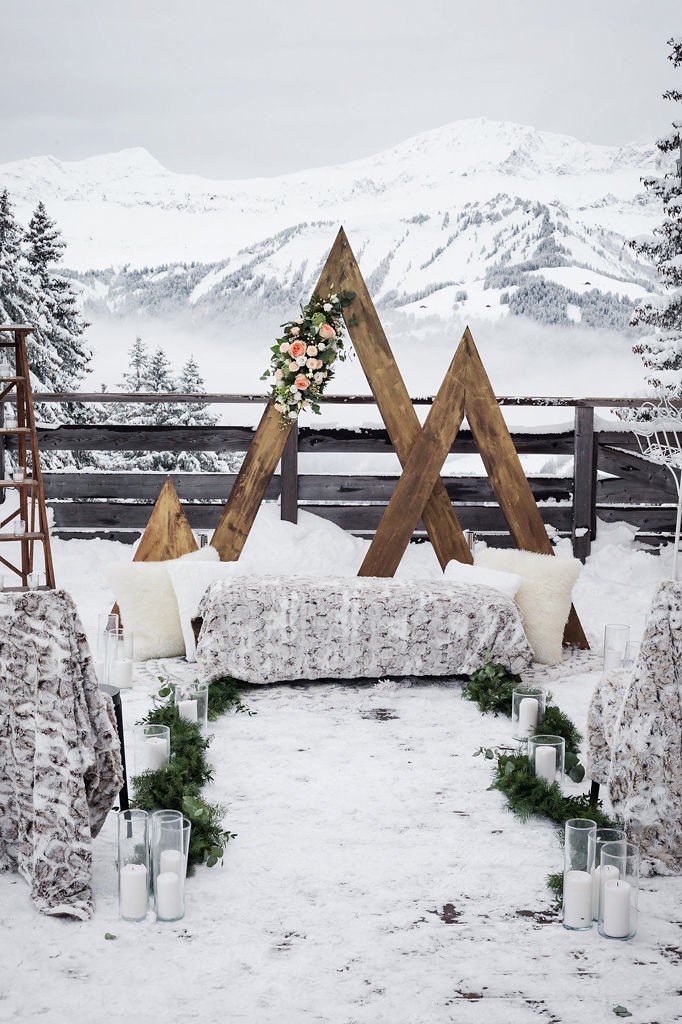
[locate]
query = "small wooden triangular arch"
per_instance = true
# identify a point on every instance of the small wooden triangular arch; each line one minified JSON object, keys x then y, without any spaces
{"x":168,"y":533}
{"x":420,"y":492}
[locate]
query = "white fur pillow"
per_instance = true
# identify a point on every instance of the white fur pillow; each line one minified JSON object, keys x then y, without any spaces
{"x":506,"y":582}
{"x":146,"y":599}
{"x":190,"y":582}
{"x":544,"y":596}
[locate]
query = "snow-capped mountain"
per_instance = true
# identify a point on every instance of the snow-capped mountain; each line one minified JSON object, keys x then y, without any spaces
{"x":480,"y":216}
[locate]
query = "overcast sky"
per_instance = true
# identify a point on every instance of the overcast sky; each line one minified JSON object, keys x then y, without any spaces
{"x":231,"y":90}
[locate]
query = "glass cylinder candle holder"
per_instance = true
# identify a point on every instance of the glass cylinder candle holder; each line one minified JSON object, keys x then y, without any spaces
{"x":35,"y":580}
{"x":166,"y":816}
{"x":619,"y":892}
{"x":191,"y":700}
{"x":121,"y":658}
{"x":133,"y":864}
{"x":19,"y":527}
{"x":18,"y":475}
{"x":578,"y":865}
{"x":546,"y":755}
{"x":107,"y":622}
{"x":528,"y":711}
{"x":616,"y":636}
{"x":168,"y":868}
{"x":599,"y":876}
{"x":152,"y":748}
{"x":632,"y":649}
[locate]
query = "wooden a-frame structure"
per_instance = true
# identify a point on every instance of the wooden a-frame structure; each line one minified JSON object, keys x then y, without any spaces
{"x":420,"y":492}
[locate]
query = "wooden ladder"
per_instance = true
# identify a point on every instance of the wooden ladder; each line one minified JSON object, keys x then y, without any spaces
{"x":26,"y":523}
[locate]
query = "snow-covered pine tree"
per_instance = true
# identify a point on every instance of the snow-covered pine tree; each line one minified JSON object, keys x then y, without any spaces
{"x":195,"y":414}
{"x":661,"y":351}
{"x":61,"y":324}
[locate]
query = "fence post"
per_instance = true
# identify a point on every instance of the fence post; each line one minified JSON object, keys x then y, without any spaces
{"x":288,"y":486}
{"x":584,"y":481}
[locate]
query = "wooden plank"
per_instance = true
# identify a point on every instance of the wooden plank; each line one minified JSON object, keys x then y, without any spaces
{"x":149,"y":439}
{"x":251,"y":484}
{"x":632,"y":466}
{"x":289,"y":477}
{"x":506,"y":474}
{"x":479,"y":519}
{"x":585,"y":476}
{"x":341,"y":272}
{"x":121,"y":515}
{"x":420,"y":473}
{"x":633,"y":491}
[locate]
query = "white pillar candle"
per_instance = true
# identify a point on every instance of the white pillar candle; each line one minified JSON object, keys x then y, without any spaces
{"x":578,"y":899}
{"x":133,"y":892}
{"x":616,"y":896}
{"x":528,"y":715}
{"x":168,"y":896}
{"x":613,"y":658}
{"x":171,"y":861}
{"x":19,"y":527}
{"x":545,"y":762}
{"x":123,"y":673}
{"x":600,"y":875}
{"x":188,"y":709}
{"x":155,"y":753}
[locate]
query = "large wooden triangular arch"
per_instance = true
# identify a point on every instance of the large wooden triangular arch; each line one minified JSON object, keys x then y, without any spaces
{"x":420,"y":492}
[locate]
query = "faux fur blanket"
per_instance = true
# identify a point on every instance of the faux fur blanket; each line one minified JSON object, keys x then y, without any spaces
{"x":635,"y":737}
{"x":263,"y":629}
{"x":60,"y":765}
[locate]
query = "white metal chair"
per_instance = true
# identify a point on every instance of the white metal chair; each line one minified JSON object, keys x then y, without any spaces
{"x":660,"y":441}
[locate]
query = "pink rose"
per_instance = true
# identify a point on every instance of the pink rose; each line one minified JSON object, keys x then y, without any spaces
{"x":296,"y":349}
{"x":301,"y":382}
{"x":318,"y":364}
{"x":312,"y":364}
{"x":311,"y":350}
{"x":284,"y":347}
{"x":326,"y":331}
{"x":278,"y":374}
{"x":293,"y":367}
{"x":294,"y":331}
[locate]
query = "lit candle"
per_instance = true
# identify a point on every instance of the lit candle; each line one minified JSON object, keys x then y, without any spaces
{"x":528,"y":715}
{"x":171,"y":861}
{"x":616,"y":896}
{"x":613,"y":658}
{"x":188,"y":709}
{"x":132,"y":896}
{"x":578,"y":899}
{"x":168,"y":896}
{"x":545,"y":763}
{"x":123,"y":673}
{"x":600,"y":875}
{"x":156,"y":753}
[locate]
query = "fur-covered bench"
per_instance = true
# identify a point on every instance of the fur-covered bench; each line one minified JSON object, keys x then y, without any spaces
{"x":262,"y":629}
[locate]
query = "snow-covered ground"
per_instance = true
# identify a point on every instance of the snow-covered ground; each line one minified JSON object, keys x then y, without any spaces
{"x":374,"y":877}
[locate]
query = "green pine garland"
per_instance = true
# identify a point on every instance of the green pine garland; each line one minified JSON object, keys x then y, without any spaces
{"x":178,"y":787}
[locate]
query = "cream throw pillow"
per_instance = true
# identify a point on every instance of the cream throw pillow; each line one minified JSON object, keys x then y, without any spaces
{"x":544,"y":596}
{"x":506,"y":582}
{"x":190,"y":581}
{"x":146,"y":599}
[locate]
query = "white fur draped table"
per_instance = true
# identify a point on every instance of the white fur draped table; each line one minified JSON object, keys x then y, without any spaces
{"x":635,"y":736}
{"x":263,"y":629}
{"x":60,"y":764}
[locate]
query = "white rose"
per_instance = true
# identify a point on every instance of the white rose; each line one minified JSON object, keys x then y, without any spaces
{"x":293,"y":389}
{"x":301,"y":360}
{"x":318,"y":377}
{"x":321,"y":346}
{"x":327,"y":307}
{"x":293,"y":415}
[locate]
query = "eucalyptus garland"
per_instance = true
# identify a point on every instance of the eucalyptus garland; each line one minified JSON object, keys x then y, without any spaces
{"x":178,"y":787}
{"x":302,"y":360}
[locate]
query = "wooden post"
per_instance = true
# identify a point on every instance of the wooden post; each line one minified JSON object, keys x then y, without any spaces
{"x":584,"y":481}
{"x":288,"y":487}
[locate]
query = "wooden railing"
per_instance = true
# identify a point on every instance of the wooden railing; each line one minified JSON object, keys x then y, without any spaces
{"x":604,"y":479}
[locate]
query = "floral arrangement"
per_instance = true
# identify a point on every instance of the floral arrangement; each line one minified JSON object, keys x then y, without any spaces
{"x":302,"y":361}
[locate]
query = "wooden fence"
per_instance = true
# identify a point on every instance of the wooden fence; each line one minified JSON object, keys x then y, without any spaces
{"x":605,"y":478}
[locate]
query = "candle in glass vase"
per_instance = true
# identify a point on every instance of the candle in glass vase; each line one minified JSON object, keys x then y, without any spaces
{"x":545,"y":763}
{"x":600,"y":875}
{"x":168,"y":896}
{"x":123,"y":673}
{"x":616,"y":895}
{"x":188,"y":709}
{"x":577,"y":899}
{"x":528,"y":716}
{"x":133,"y":892}
{"x":171,"y":860}
{"x":156,"y":753}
